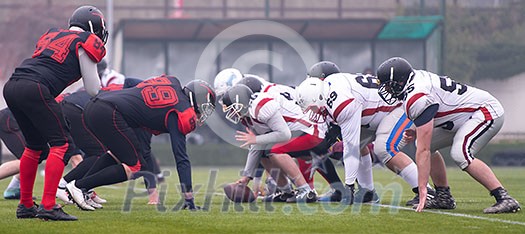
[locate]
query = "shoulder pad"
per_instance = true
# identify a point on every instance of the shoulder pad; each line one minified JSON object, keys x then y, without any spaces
{"x":94,"y":48}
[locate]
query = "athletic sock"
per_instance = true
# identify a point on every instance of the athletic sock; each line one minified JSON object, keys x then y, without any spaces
{"x":109,"y":175}
{"x":54,"y":169}
{"x":304,"y":167}
{"x":409,"y":174}
{"x":364,"y":173}
{"x":15,"y":182}
{"x":28,"y":169}
{"x":81,"y":169}
{"x":328,"y":172}
{"x":304,"y":187}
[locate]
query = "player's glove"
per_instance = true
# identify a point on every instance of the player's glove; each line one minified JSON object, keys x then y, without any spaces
{"x":190,"y":205}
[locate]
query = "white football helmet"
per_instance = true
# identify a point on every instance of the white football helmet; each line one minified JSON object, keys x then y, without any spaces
{"x":225,"y":79}
{"x":311,"y":97}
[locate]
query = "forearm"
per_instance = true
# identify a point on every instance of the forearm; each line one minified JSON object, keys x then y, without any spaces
{"x":252,"y":162}
{"x":88,"y":69}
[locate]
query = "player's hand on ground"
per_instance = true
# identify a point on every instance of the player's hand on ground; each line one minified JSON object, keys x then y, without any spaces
{"x":247,"y":137}
{"x":422,"y":199}
{"x":190,"y":205}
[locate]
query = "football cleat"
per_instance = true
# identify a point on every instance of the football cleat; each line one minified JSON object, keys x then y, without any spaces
{"x":366,"y":196}
{"x":56,"y":214}
{"x":22,"y":212}
{"x":332,"y":195}
{"x":442,"y":200}
{"x":307,"y":196}
{"x":348,"y":195}
{"x":504,"y":203}
{"x":431,"y":193}
{"x":94,"y":196}
{"x":78,"y":196}
{"x":12,"y":193}
{"x":63,"y":196}
{"x":92,"y":203}
{"x":278,"y":197}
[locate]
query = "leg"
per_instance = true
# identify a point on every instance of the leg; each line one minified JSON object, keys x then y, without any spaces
{"x":470,"y":139}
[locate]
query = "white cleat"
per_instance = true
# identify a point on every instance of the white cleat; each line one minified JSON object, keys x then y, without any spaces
{"x":63,"y":196}
{"x":78,"y":197}
{"x":94,"y":196}
{"x":93,"y":204}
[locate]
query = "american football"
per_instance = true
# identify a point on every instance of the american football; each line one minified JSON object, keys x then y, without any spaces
{"x":239,"y":193}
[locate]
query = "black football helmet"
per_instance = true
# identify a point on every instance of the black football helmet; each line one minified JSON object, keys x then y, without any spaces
{"x":236,"y":102}
{"x":252,"y":82}
{"x":393,"y":75}
{"x":323,"y":69}
{"x":91,"y":20}
{"x":202,"y":98}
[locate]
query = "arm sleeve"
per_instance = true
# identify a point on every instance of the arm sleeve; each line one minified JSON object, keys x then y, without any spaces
{"x":426,"y":115}
{"x":350,"y":122}
{"x":252,"y":162}
{"x":88,"y":69}
{"x":178,"y":146}
{"x":280,"y":131}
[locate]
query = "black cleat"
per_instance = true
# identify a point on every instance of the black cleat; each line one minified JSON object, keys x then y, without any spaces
{"x":442,"y":200}
{"x":431,"y":193}
{"x":278,"y":197}
{"x":22,"y":212}
{"x":333,"y":195}
{"x":504,"y":203}
{"x":303,"y":196}
{"x":56,"y":214}
{"x":348,"y":195}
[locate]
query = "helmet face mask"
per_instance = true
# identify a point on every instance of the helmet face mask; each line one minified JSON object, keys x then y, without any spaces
{"x":236,"y":102}
{"x":316,"y":114}
{"x":394,"y":74}
{"x":202,"y":98}
{"x":235,"y":112}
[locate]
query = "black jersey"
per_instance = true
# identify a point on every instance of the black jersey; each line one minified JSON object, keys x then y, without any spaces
{"x":149,"y":103}
{"x":55,"y":60}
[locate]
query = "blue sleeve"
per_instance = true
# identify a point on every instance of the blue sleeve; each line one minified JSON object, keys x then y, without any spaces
{"x":427,"y":115}
{"x":178,"y":146}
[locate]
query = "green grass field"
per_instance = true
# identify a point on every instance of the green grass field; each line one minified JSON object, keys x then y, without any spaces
{"x":224,"y":217}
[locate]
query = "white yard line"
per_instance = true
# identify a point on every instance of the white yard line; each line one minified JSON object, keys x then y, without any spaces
{"x":441,"y":213}
{"x":455,"y":214}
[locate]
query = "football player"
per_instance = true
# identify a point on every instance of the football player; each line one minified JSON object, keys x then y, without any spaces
{"x":278,"y":92}
{"x":61,"y":58}
{"x":160,"y":105}
{"x":352,"y":102}
{"x":72,"y":107}
{"x":270,"y":121}
{"x":447,"y":113}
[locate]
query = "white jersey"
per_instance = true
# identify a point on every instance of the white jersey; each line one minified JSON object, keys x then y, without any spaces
{"x":457,"y":102}
{"x":346,"y":88}
{"x":111,"y":77}
{"x":352,"y":100}
{"x":265,"y":105}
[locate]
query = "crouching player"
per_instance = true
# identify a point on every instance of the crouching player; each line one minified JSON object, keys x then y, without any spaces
{"x":160,"y":105}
